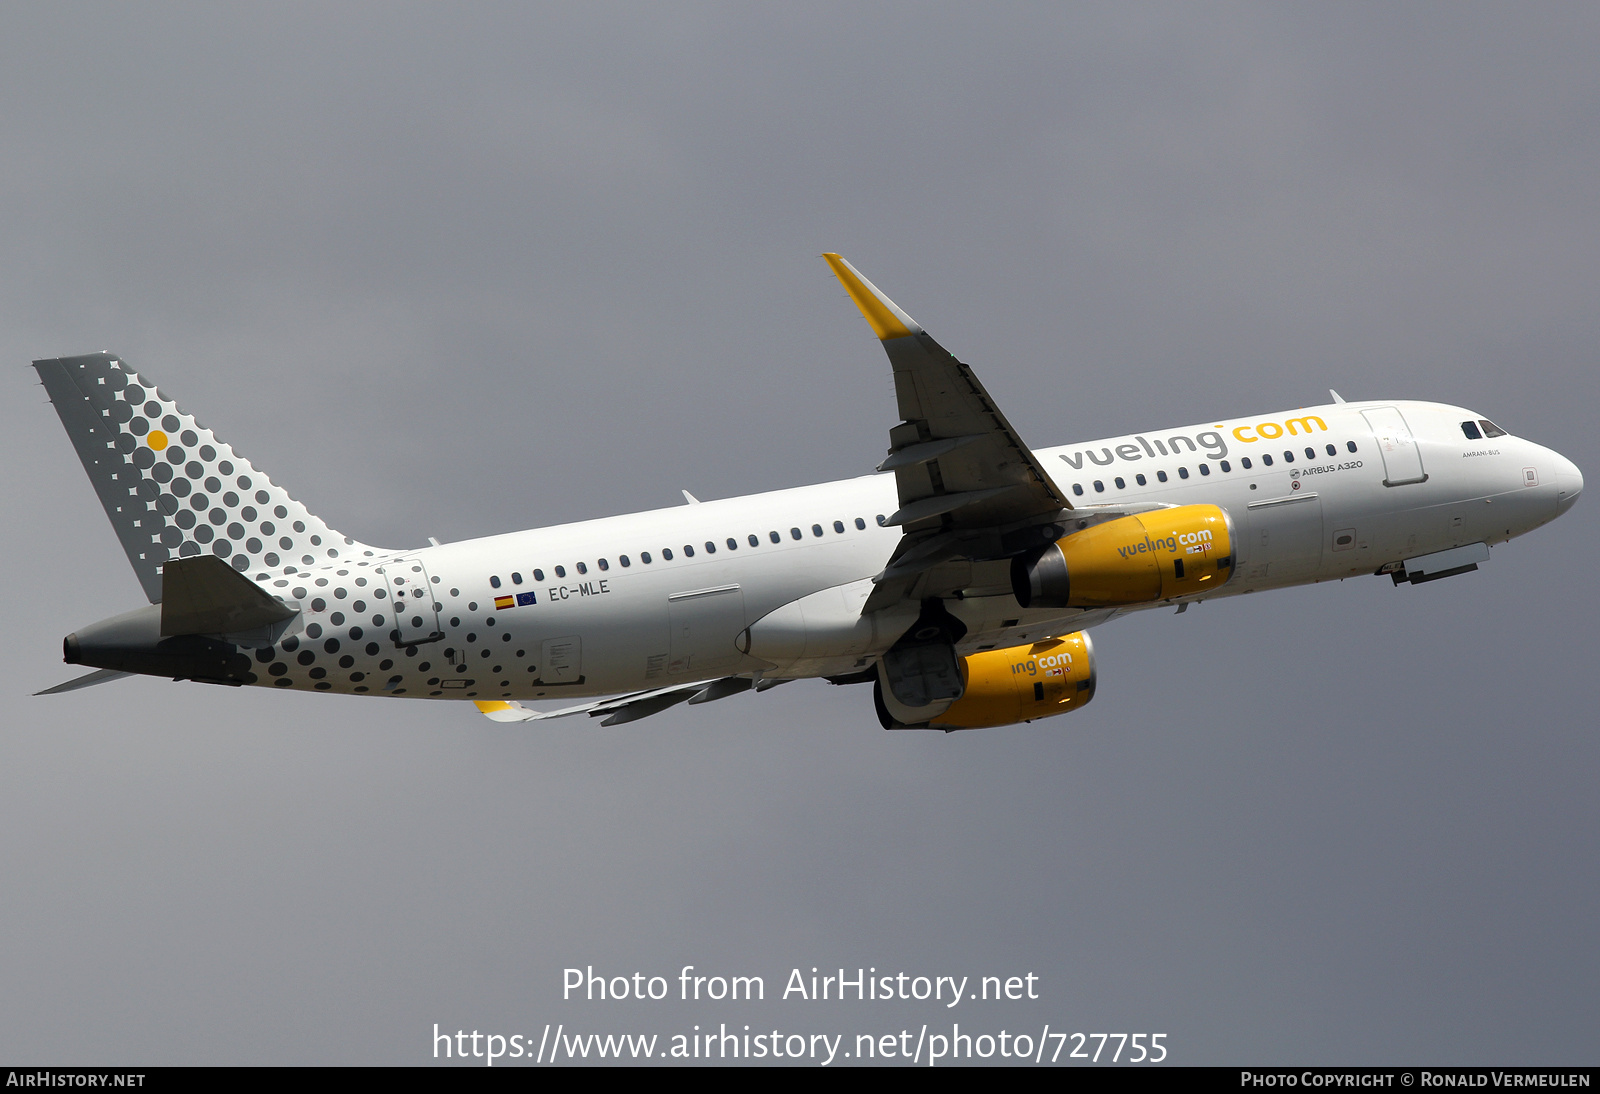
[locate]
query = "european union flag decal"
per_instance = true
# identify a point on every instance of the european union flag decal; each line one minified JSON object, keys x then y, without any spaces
{"x":524,"y":599}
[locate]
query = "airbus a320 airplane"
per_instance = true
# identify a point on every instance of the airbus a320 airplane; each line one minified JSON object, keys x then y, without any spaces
{"x":961,"y":582}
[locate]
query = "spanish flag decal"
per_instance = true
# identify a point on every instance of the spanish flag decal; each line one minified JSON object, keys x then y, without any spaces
{"x":504,"y":602}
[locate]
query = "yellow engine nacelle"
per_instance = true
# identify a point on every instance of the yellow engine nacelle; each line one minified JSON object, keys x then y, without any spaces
{"x":1151,"y":556}
{"x":1002,"y":687}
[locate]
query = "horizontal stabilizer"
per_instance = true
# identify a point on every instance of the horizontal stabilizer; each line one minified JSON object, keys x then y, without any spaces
{"x":204,"y":595}
{"x":98,"y":676}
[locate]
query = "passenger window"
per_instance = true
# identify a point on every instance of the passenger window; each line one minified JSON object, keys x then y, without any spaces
{"x":1226,"y":467}
{"x":1288,"y":457}
{"x":688,"y":550}
{"x":1161,"y":476}
{"x":561,"y":571}
{"x":754,"y":541}
{"x":882,"y":520}
{"x":1077,"y":488}
{"x":1332,"y":451}
{"x":1490,"y":429}
{"x":1205,"y":469}
{"x":1183,"y":472}
{"x":733,"y":544}
{"x":666,"y":554}
{"x":538,"y":575}
{"x":603,"y":564}
{"x":1121,"y":485}
{"x":861,"y":525}
{"x":1266,"y":461}
{"x":1351,"y":445}
{"x":1244,"y":462}
{"x":1141,"y":480}
{"x":582,"y":569}
{"x":794,"y":533}
{"x":775,"y":537}
{"x":816,"y":529}
{"x":1099,"y":487}
{"x":624,"y":560}
{"x":516,"y":578}
{"x":711,"y":547}
{"x":644,"y":557}
{"x":494,"y":581}
{"x":1311,"y":453}
{"x":838,"y":526}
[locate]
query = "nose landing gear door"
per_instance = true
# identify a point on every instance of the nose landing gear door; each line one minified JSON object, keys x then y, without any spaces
{"x":416,"y":612}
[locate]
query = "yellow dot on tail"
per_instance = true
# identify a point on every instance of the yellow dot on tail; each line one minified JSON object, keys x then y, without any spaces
{"x":157,"y":440}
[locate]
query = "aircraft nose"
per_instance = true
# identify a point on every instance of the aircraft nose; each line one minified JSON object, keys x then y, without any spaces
{"x":1569,"y":484}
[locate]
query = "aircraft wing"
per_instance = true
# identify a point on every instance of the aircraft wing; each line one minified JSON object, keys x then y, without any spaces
{"x":632,"y":706}
{"x":969,"y":488}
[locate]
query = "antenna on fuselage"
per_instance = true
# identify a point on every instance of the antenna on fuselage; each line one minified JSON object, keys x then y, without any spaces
{"x":1336,"y":396}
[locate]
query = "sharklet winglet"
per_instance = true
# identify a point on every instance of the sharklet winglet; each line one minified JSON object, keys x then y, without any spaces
{"x":882,"y":314}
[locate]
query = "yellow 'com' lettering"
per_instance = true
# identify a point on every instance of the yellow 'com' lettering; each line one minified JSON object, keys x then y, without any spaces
{"x":1271,"y":431}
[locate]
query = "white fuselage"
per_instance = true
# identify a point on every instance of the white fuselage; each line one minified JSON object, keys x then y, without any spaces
{"x":598,"y":619}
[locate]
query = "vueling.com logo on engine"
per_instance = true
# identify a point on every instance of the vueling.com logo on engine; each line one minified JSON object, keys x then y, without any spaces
{"x":1193,"y":543}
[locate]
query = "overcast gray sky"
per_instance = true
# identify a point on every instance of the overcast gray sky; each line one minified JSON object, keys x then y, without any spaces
{"x":457,"y":271}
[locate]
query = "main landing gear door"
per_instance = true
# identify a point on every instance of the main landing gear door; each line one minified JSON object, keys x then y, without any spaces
{"x":1402,"y":459}
{"x":416,"y":612}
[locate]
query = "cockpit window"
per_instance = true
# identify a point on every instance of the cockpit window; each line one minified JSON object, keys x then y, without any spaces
{"x":1471,"y":430}
{"x":1490,"y":429}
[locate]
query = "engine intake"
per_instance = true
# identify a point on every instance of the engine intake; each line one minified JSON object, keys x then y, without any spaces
{"x":1002,"y":687}
{"x":1137,"y":559}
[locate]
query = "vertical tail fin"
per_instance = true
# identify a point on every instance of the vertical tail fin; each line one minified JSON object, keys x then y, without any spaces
{"x":170,"y":487}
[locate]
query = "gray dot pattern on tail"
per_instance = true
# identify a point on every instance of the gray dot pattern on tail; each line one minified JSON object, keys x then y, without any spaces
{"x":199,"y":495}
